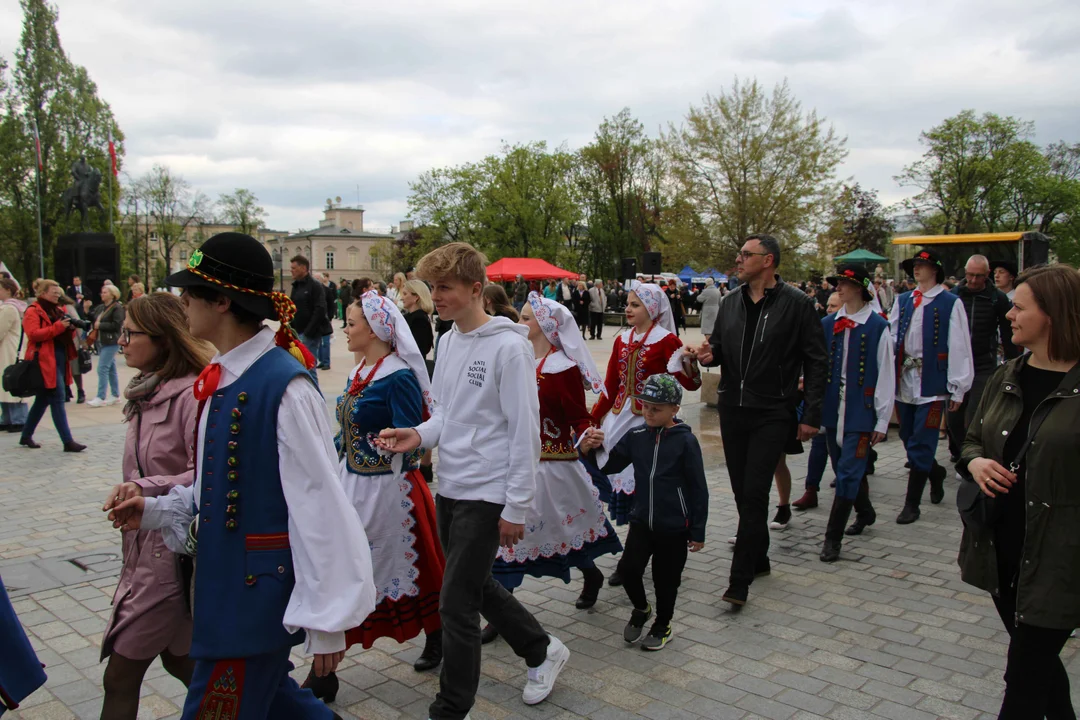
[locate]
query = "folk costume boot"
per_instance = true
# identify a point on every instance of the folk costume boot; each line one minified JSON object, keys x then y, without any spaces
{"x":871,"y":461}
{"x":864,"y":510}
{"x":432,"y":655}
{"x":915,"y":485}
{"x":594,"y":580}
{"x":834,"y":530}
{"x":937,"y":483}
{"x":324,"y":688}
{"x":807,"y":502}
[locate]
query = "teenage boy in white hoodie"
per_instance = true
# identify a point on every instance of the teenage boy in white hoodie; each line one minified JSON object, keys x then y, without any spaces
{"x":486,"y":424}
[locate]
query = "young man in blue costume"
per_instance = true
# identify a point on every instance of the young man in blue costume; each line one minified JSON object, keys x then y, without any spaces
{"x":933,"y":368}
{"x":859,"y":397}
{"x":281,"y":556}
{"x":20,"y":671}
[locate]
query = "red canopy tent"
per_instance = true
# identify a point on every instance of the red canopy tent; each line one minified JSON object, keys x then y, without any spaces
{"x":507,"y":270}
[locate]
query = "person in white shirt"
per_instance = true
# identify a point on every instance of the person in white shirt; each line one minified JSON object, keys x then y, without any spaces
{"x":486,"y":424}
{"x":934,"y":367}
{"x":858,"y":398}
{"x":1005,"y":273}
{"x":282,"y":557}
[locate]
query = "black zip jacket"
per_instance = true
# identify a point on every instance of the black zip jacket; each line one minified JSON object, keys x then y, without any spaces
{"x":986,"y":312}
{"x":787,"y":343}
{"x":310,"y":298}
{"x":670,"y":494}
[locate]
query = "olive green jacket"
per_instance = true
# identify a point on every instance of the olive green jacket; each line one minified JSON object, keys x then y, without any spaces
{"x":1048,"y":590}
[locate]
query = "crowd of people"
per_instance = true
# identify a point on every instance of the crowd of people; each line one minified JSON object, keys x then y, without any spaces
{"x":323,"y":532}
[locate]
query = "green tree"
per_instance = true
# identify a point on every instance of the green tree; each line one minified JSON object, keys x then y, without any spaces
{"x":857,"y":220}
{"x":171,"y":207}
{"x":241,"y":208}
{"x":754,"y":162}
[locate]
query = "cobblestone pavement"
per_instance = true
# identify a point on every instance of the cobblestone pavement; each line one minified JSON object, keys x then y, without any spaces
{"x":889,"y":631}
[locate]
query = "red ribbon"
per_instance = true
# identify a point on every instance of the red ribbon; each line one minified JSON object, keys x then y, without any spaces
{"x":842,"y":324}
{"x":207,"y":382}
{"x":917,"y":294}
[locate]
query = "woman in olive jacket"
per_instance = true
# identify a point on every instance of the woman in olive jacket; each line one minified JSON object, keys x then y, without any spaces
{"x":1029,"y":558}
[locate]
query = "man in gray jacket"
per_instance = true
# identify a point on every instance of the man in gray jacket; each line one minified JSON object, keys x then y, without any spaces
{"x":597,"y":306}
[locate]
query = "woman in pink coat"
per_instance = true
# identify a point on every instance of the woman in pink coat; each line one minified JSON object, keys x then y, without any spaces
{"x":151,"y":616}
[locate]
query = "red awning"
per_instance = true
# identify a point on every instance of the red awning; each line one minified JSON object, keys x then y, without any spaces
{"x":507,"y":270}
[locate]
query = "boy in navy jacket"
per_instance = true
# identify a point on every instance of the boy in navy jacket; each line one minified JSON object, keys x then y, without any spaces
{"x":671,"y":505}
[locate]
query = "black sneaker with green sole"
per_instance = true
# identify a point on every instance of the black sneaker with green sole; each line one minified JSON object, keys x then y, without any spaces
{"x":657,"y":638}
{"x":632,"y":632}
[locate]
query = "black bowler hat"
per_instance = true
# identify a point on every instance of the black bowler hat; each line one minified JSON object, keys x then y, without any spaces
{"x":854,"y":274}
{"x":924,"y":256}
{"x":1010,"y":267}
{"x":235,"y":265}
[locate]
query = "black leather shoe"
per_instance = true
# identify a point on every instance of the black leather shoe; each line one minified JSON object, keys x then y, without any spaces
{"x":432,"y":655}
{"x":15,"y":428}
{"x":830,"y":551}
{"x":736,"y":595}
{"x":73,"y":447}
{"x":937,"y":483}
{"x":615,"y":579}
{"x":488,"y":634}
{"x":594,"y":580}
{"x":29,"y":442}
{"x":324,"y":688}
{"x":907,"y":516}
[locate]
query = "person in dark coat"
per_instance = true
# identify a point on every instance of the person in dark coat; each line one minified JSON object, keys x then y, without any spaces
{"x":309,"y":296}
{"x":345,"y":295}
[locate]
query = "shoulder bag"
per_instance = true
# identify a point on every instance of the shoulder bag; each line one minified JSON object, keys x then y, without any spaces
{"x":23,"y":378}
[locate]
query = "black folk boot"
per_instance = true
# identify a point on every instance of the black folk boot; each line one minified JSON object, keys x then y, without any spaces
{"x":864,"y":510}
{"x":834,"y":530}
{"x":325,"y":688}
{"x":915,"y":485}
{"x":937,"y":483}
{"x":432,"y":655}
{"x":594,"y":580}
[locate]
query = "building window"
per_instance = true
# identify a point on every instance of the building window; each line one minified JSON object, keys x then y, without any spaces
{"x":329,"y":261}
{"x":353,"y":258}
{"x":183,"y":256}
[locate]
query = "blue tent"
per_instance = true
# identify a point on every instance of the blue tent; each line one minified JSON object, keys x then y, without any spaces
{"x":687,"y":273}
{"x":715,"y":275}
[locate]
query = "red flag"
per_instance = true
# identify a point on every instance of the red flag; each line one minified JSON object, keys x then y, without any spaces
{"x":112,"y":154}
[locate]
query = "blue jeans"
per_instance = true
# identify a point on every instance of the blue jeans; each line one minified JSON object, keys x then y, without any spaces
{"x":106,"y":371}
{"x":849,"y":456}
{"x":324,"y":350}
{"x":54,"y":399}
{"x":13,"y":413}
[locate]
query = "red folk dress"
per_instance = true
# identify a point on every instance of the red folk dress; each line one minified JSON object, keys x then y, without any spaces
{"x":634,"y":358}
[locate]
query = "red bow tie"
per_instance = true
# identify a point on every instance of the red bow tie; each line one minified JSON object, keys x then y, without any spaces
{"x":844,"y":323}
{"x":917,"y":294}
{"x":207,"y":382}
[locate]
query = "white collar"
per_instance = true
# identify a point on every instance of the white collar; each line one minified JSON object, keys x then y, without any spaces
{"x":858,"y":318}
{"x":237,"y":361}
{"x":656,"y":335}
{"x":932,"y":292}
{"x":556,"y":362}
{"x":390,"y":365}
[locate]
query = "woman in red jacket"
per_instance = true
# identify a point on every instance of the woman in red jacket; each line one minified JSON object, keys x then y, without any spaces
{"x":51,"y":340}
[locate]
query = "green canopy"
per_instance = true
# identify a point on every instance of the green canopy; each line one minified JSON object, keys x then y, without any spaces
{"x":860,"y":256}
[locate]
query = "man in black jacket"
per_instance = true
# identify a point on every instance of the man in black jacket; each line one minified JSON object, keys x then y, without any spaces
{"x":986,"y":307}
{"x":310,"y":321}
{"x":767,"y":334}
{"x":345,"y":295}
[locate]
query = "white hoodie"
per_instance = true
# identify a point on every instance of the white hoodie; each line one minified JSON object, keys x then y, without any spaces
{"x":487,"y":417}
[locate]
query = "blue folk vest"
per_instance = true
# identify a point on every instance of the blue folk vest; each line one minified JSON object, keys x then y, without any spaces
{"x":935,"y":330}
{"x":244,"y":571}
{"x":861,"y":376}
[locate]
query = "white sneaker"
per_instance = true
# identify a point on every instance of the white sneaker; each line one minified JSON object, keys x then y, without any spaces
{"x":542,"y":679}
{"x":112,"y":401}
{"x":95,"y":403}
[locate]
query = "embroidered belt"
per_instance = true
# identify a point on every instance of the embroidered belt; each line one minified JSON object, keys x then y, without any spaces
{"x":912,"y":362}
{"x":191,"y":543}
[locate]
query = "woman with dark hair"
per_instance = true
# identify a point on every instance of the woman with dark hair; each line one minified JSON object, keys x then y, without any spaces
{"x":497,"y":302}
{"x":1022,"y":450}
{"x":150,"y":615}
{"x":50,"y":340}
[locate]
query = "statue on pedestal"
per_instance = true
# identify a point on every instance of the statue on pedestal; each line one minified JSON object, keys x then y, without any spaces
{"x":84,"y":193}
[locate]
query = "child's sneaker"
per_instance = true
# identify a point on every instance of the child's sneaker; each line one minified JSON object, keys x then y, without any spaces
{"x":657,"y":638}
{"x":632,"y":632}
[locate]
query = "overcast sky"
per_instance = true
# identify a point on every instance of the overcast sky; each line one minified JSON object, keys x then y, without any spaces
{"x":301,"y":101}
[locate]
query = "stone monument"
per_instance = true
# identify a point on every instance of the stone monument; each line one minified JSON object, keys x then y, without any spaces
{"x":93,"y":256}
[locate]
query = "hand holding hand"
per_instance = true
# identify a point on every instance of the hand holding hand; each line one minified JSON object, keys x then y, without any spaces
{"x":510,"y":534}
{"x":875,"y":438}
{"x":693,"y":546}
{"x":120,"y":493}
{"x":593,"y":439}
{"x":326,"y":664}
{"x":127,"y":515}
{"x":806,"y":432}
{"x":992,"y":477}
{"x":399,"y":440}
{"x":705,"y":354}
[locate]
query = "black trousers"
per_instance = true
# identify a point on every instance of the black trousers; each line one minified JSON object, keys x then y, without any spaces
{"x":668,"y":553}
{"x":596,"y":324}
{"x":957,"y":423}
{"x":469,"y":532}
{"x":1036,"y":683}
{"x":753,"y":439}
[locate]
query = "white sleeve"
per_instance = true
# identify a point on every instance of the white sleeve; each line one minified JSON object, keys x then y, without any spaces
{"x":172,"y":515}
{"x":335,"y":589}
{"x":885,"y":391}
{"x":521,"y":406}
{"x":961,"y":364}
{"x":894,"y":321}
{"x":431,"y":429}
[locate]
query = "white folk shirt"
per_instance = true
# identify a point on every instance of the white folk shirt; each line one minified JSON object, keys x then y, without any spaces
{"x":885,"y":389}
{"x":961,"y":372}
{"x":334,"y":590}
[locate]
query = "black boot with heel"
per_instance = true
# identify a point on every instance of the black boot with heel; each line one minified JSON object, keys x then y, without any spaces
{"x":324,"y":688}
{"x":834,"y":531}
{"x":864,"y":510}
{"x":594,"y":580}
{"x":432,"y":655}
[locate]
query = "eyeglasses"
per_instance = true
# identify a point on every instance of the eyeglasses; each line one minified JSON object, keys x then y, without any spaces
{"x":744,"y":254}
{"x":126,"y":334}
{"x":975,"y":276}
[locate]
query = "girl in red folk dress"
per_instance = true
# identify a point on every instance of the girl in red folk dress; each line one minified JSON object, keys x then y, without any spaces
{"x":566,"y":526}
{"x":648,"y":347}
{"x":390,"y":388}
